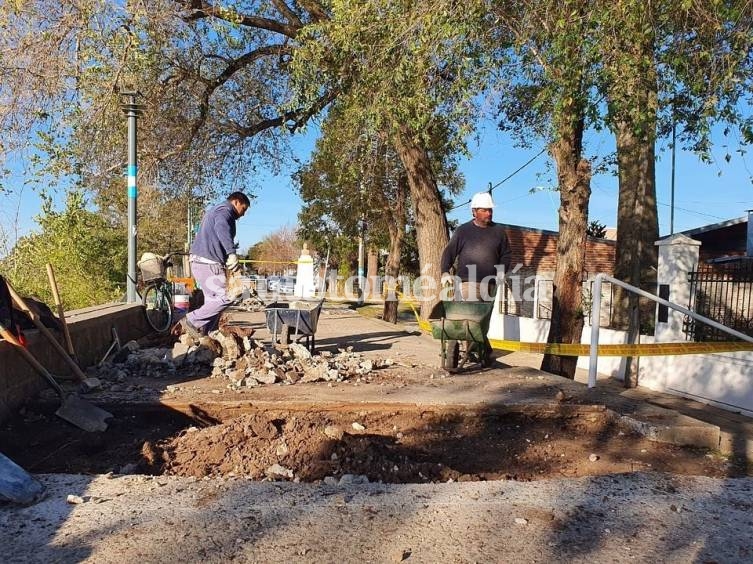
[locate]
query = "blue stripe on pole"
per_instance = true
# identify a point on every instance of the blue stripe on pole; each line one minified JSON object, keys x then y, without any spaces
{"x":132,"y":191}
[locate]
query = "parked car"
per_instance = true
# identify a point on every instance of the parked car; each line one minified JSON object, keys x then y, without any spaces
{"x":272,"y":283}
{"x":286,"y":285}
{"x":253,"y":282}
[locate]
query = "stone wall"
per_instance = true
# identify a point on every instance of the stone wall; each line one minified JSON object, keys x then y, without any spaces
{"x":91,"y":333}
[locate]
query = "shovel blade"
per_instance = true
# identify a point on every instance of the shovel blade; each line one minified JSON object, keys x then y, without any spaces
{"x":83,"y":415}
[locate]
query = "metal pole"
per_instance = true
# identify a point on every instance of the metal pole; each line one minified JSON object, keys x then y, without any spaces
{"x":132,"y":110}
{"x":324,"y":276}
{"x":672,"y":184}
{"x":360,"y":263}
{"x":595,"y":320}
{"x":189,"y":222}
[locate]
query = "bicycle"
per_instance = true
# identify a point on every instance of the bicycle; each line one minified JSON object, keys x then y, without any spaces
{"x":157,"y":291}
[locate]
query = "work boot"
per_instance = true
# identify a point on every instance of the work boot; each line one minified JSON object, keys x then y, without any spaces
{"x":185,"y":326}
{"x":488,"y":359}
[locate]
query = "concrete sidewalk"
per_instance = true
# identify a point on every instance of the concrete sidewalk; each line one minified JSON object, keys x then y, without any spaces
{"x":633,"y":517}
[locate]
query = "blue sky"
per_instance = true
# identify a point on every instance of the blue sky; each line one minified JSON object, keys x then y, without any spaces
{"x":704,"y":193}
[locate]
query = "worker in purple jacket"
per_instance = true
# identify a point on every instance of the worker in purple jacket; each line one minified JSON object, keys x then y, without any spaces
{"x":212,"y":252}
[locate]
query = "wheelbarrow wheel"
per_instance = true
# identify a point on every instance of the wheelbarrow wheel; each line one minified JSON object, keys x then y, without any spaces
{"x":451,"y":356}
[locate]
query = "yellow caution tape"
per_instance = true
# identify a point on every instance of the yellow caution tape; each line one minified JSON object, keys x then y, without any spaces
{"x":244,"y":261}
{"x":646,"y":349}
{"x":567,"y":349}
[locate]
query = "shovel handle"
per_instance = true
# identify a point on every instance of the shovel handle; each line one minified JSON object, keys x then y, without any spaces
{"x":80,"y":376}
{"x":61,"y":311}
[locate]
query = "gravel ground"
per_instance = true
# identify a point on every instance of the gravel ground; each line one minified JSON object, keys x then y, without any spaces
{"x":643,"y":517}
{"x":636,"y":517}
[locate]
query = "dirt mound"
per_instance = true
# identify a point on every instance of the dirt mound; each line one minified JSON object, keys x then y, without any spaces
{"x":417,"y":446}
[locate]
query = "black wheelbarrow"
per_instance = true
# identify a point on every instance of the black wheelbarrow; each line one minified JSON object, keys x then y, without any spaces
{"x":291,"y":322}
{"x":462,"y":327}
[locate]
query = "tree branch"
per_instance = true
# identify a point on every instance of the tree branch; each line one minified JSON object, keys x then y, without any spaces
{"x":199,"y":9}
{"x":287,"y":13}
{"x":233,"y":67}
{"x":298,"y":117}
{"x":315,"y":10}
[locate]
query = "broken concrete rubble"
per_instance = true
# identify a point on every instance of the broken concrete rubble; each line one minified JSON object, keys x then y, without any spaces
{"x":255,"y":364}
{"x":251,"y":302}
{"x":239,"y":358}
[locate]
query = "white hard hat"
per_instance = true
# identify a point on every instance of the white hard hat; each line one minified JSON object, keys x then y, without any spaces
{"x":482,"y":200}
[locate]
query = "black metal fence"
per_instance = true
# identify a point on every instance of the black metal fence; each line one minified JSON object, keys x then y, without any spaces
{"x":722,"y":292}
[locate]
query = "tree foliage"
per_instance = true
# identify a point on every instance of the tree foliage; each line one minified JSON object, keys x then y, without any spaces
{"x":211,"y":80}
{"x":596,"y":229}
{"x":277,"y":252}
{"x":87,"y":253}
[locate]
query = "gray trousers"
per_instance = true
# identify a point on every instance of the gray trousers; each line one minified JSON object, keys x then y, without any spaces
{"x":212,"y":281}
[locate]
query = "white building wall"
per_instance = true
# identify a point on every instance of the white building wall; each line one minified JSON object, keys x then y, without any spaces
{"x":721,"y":379}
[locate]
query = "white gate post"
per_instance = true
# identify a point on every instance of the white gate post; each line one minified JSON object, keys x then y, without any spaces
{"x":678,"y":256}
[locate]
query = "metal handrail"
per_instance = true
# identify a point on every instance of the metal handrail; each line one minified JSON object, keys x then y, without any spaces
{"x":596,"y":316}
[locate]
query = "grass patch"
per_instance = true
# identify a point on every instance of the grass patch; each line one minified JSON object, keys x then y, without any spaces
{"x":374,"y":311}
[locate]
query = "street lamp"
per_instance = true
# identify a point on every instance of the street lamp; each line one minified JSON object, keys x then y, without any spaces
{"x":132,"y":110}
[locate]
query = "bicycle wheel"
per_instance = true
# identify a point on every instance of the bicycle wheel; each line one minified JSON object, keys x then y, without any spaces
{"x":157,"y":307}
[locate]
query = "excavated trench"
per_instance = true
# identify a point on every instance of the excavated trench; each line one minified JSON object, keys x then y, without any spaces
{"x":346,"y":444}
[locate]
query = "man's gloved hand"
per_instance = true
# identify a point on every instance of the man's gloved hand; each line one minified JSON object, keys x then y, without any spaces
{"x":232,"y":263}
{"x":447,"y":279}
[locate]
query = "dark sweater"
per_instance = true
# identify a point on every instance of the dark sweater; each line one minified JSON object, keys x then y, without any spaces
{"x":484,"y":247}
{"x":215,"y":239}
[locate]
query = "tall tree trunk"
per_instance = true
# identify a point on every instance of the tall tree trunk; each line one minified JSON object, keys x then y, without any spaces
{"x":634,"y":108}
{"x":574,"y":177}
{"x":431,"y":223}
{"x":637,"y":218}
{"x":372,"y":271}
{"x":397,"y":234}
{"x":637,"y":231}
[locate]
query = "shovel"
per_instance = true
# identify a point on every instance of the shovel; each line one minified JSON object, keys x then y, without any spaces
{"x":80,"y":376}
{"x":73,"y":409}
{"x":61,"y":312}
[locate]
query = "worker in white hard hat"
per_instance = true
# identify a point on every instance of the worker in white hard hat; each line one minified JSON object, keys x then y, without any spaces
{"x":478,"y":252}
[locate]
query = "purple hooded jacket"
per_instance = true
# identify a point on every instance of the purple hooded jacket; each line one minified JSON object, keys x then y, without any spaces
{"x":216,"y":237}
